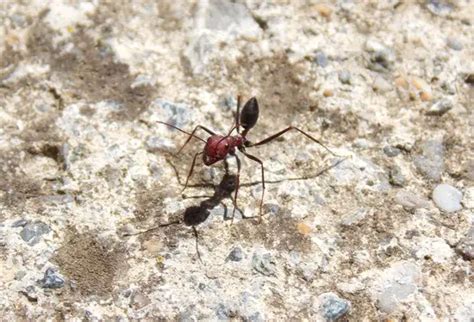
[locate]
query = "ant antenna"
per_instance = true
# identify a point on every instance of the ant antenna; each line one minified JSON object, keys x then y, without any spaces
{"x":183,"y":131}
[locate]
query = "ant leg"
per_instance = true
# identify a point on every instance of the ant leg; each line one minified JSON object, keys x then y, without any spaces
{"x":274,"y":136}
{"x":236,"y":187}
{"x":263,"y":179}
{"x":192,"y":135}
{"x":191,"y":170}
{"x":237,"y":116}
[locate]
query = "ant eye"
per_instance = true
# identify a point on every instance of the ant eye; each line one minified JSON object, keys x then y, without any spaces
{"x":227,"y":145}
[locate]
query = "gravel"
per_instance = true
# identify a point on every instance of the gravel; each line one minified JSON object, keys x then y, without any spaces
{"x":411,"y":200}
{"x":454,"y":43}
{"x":321,"y":59}
{"x":86,"y":170}
{"x":381,"y":57}
{"x":236,"y":255}
{"x":391,"y":151}
{"x":431,"y":162}
{"x":33,"y":232}
{"x":333,"y":307}
{"x":396,"y":284}
{"x":447,"y":198}
{"x":51,"y":279}
{"x":396,"y":177}
{"x":440,"y":107}
{"x":264,"y":264}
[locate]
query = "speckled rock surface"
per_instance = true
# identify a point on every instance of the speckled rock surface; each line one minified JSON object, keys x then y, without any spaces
{"x":93,"y":221}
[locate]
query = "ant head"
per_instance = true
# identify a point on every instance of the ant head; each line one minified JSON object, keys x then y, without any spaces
{"x":249,"y":114}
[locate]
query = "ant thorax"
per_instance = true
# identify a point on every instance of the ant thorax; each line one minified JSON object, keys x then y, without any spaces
{"x":219,"y":146}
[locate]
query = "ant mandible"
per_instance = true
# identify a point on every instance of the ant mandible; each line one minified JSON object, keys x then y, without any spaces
{"x":219,"y":146}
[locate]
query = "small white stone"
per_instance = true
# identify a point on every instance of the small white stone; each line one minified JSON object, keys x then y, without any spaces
{"x":447,"y":198}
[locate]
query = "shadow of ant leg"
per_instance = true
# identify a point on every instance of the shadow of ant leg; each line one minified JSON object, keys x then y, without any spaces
{"x":197,"y":244}
{"x":226,"y":211}
{"x":237,"y":186}
{"x":196,"y":197}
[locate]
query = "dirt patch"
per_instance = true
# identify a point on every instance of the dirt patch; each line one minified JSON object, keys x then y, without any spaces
{"x":89,"y":263}
{"x":279,"y":84}
{"x":286,"y":229}
{"x":89,"y":71}
{"x":149,"y":203}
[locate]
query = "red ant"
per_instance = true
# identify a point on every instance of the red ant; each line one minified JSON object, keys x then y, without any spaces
{"x":219,"y":146}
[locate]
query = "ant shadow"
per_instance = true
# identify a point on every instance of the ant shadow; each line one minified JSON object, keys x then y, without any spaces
{"x":195,"y":215}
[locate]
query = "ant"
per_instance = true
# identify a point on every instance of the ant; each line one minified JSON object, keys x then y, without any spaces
{"x":218,"y":147}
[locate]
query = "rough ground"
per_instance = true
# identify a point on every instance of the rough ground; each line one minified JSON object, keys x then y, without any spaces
{"x":383,"y":230}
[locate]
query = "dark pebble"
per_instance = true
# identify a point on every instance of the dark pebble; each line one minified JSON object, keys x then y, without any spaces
{"x":235,"y":255}
{"x":51,"y":279}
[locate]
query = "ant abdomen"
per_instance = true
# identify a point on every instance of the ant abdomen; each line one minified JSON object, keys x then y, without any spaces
{"x":249,"y":114}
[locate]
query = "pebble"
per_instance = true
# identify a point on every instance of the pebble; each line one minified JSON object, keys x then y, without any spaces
{"x":447,"y":198}
{"x":423,"y":87}
{"x":382,"y":57}
{"x":20,"y":223}
{"x":411,"y":200}
{"x":32,"y":232}
{"x":333,"y":307}
{"x":30,"y":293}
{"x":431,"y":162}
{"x":328,"y":93}
{"x":323,"y":9}
{"x":397,"y":283}
{"x":381,"y":85}
{"x":176,"y":114}
{"x":139,"y":300}
{"x":51,"y":279}
{"x":321,"y":59}
{"x":439,"y":7}
{"x":236,"y":254}
{"x":396,"y":177}
{"x":454,"y":43}
{"x":222,"y":312}
{"x":391,"y":151}
{"x":264,"y":264}
{"x":19,"y":275}
{"x":354,"y":217}
{"x":231,"y":17}
{"x":440,"y":107}
{"x":344,"y":77}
